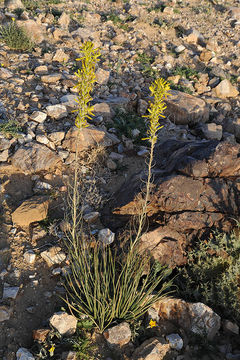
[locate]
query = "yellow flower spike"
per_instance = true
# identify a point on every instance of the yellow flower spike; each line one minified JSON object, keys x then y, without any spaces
{"x":13,"y":19}
{"x":86,"y":79}
{"x":51,"y":350}
{"x":152,"y":323}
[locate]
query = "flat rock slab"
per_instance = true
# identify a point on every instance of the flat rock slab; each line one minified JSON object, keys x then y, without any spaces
{"x":10,"y":292}
{"x":153,"y":349}
{"x":87,"y":138}
{"x":54,"y":255}
{"x":186,"y":109}
{"x":35,"y":157}
{"x":118,"y":335}
{"x":31,"y":210}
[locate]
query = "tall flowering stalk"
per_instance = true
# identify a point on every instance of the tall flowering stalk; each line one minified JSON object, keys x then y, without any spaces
{"x":160,"y":90}
{"x":86,"y":79}
{"x":89,"y":56}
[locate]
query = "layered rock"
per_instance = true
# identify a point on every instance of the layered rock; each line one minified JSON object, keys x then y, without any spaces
{"x":196,"y":187}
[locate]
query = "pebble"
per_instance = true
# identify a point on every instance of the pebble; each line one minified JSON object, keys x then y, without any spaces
{"x":175,"y":341}
{"x":106,"y":236}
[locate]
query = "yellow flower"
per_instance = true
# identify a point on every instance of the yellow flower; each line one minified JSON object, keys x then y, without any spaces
{"x":13,"y":19}
{"x":152,"y":323}
{"x":51,"y":350}
{"x":2,"y":65}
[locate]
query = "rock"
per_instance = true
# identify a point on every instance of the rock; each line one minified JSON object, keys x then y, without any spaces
{"x":65,"y":324}
{"x":206,"y":55}
{"x":38,"y":232}
{"x":193,"y":191}
{"x":118,"y":335}
{"x":87,"y":138}
{"x":212,"y":131}
{"x":4,"y":155}
{"x":40,"y":334}
{"x":106,"y":236}
{"x":152,"y":349}
{"x":152,"y":314}
{"x":70,"y":101}
{"x":194,"y":37}
{"x":56,"y":137}
{"x":24,"y":354}
{"x":64,"y":21}
{"x":230,"y":327}
{"x":225,"y":89}
{"x":102,"y":76}
{"x":4,"y":143}
{"x":91,"y":217}
{"x":5,"y":73}
{"x":103,"y":109}
{"x":179,"y":49}
{"x":33,"y":157}
{"x":29,"y":256}
{"x":38,"y":116}
{"x":234,"y":13}
{"x":41,"y":70}
{"x":186,"y":109}
{"x":4,"y":313}
{"x":111,"y":164}
{"x":10,"y":292}
{"x":204,"y":320}
{"x":13,"y":4}
{"x":57,"y":111}
{"x":166,"y":245}
{"x":51,"y":78}
{"x":33,"y":30}
{"x":31,"y":210}
{"x":175,"y":341}
{"x":54,"y":255}
{"x":61,"y":56}
{"x":192,"y":317}
{"x":69,"y":355}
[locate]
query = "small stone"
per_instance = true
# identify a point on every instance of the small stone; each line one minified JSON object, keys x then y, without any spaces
{"x":41,"y":70}
{"x":38,"y":233}
{"x":142,"y":107}
{"x":4,"y":313}
{"x":195,"y":38}
{"x":102,"y":76}
{"x":61,"y":56}
{"x":10,"y":292}
{"x":57,"y":111}
{"x":5,"y":73}
{"x":152,"y":314}
{"x":153,"y":349}
{"x":118,"y":335}
{"x":231,"y":327}
{"x":212,"y":131}
{"x":29,"y":256}
{"x":51,"y":79}
{"x":64,"y":21}
{"x":40,"y":334}
{"x":206,"y":55}
{"x":106,"y":236}
{"x":103,"y":109}
{"x":38,"y":116}
{"x":143,"y":152}
{"x":65,"y":324}
{"x":56,"y":136}
{"x":115,"y":156}
{"x":24,"y":354}
{"x":4,"y":155}
{"x":175,"y":341}
{"x":225,"y":89}
{"x":56,"y":271}
{"x":69,"y":355}
{"x":111,"y":164}
{"x":179,"y":49}
{"x":70,"y":101}
{"x":91,"y":217}
{"x":54,"y":255}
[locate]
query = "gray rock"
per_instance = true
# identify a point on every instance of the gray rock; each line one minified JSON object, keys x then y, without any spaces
{"x":29,"y":256}
{"x":10,"y":292}
{"x":54,"y":255}
{"x":106,"y":236}
{"x":175,"y":341}
{"x":65,"y":324}
{"x":69,"y":101}
{"x":38,"y":116}
{"x":212,"y":131}
{"x":57,"y":111}
{"x":4,"y":313}
{"x":118,"y":335}
{"x":24,"y":354}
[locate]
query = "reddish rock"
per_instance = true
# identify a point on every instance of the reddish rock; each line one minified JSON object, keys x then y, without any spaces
{"x":40,"y":334}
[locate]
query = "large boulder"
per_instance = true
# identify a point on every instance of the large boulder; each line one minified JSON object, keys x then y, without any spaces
{"x":196,"y":188}
{"x":34,"y":157}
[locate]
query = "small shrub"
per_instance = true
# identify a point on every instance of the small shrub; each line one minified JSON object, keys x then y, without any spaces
{"x":212,"y":275}
{"x":15,"y":37}
{"x":10,"y":128}
{"x":186,"y":72}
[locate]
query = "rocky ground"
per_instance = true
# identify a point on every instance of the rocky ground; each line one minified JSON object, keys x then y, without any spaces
{"x":193,"y":44}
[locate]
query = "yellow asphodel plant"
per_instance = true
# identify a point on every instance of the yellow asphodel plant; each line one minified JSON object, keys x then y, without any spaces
{"x":159,"y":90}
{"x":86,"y":79}
{"x":89,"y":57}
